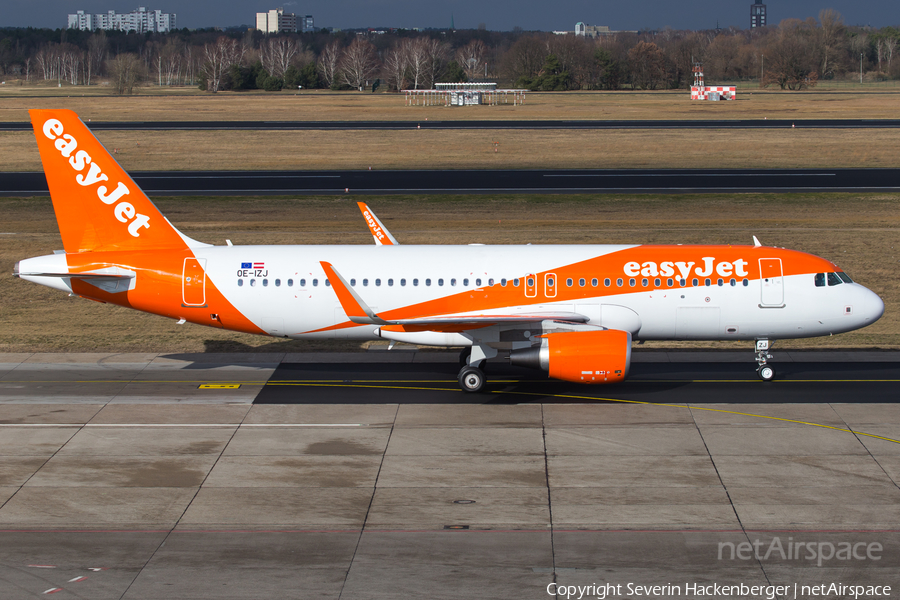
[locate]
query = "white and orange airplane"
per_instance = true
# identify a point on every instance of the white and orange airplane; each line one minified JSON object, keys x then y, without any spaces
{"x":571,"y":311}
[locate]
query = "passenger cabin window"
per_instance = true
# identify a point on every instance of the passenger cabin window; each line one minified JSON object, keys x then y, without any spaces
{"x":327,"y":283}
{"x":581,"y":283}
{"x":403,"y":282}
{"x":353,"y":282}
{"x":315,"y":282}
{"x":569,"y":282}
{"x":416,"y":281}
{"x":466,"y":282}
{"x":657,"y":282}
{"x":645,"y":282}
{"x":277,"y":283}
{"x":453,"y":282}
{"x":478,"y":282}
{"x":302,"y":283}
{"x":378,"y":282}
{"x":516,"y":282}
{"x":290,"y":283}
{"x":631,"y":282}
{"x":669,"y":282}
{"x":252,"y":283}
{"x":502,"y":282}
{"x":240,"y":283}
{"x":428,"y":282}
{"x":490,"y":282}
{"x":265,"y":283}
{"x":441,"y":281}
{"x":619,"y":282}
{"x":390,"y":282}
{"x":365,"y":283}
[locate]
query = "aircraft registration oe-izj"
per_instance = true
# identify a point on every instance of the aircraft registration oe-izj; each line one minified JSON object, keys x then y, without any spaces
{"x":571,"y":310}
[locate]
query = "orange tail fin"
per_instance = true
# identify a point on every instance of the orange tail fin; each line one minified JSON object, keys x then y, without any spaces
{"x":98,"y":206}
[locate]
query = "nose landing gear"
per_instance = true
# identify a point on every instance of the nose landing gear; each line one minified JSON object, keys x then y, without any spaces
{"x":764,"y":371}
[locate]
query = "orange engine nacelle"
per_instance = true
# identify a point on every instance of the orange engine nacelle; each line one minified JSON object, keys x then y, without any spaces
{"x":602,"y":356}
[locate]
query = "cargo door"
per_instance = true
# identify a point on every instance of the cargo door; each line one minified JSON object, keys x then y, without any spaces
{"x":193,"y":282}
{"x":771,"y":282}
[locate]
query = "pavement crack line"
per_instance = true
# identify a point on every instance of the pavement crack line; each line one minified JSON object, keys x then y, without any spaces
{"x":369,"y":507}
{"x":186,"y":508}
{"x":857,"y":434}
{"x":737,"y":516}
{"x":549,"y":495}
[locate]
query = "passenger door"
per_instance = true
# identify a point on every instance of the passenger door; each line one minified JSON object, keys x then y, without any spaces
{"x":771,"y":281}
{"x":193,"y":282}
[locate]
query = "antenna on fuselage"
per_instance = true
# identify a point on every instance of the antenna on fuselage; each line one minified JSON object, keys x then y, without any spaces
{"x":756,"y":243}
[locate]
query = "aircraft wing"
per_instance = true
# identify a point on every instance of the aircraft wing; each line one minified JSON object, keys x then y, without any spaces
{"x":359,"y":312}
{"x":382,"y":236}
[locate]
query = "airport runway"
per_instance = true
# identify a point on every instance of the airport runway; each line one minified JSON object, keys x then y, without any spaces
{"x":480,"y":124}
{"x":240,"y":183}
{"x":155,"y":476}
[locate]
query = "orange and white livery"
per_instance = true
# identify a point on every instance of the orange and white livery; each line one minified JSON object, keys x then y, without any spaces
{"x":572,"y":311}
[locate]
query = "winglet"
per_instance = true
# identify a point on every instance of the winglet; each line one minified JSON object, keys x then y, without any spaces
{"x":357,"y":310}
{"x":382,"y":236}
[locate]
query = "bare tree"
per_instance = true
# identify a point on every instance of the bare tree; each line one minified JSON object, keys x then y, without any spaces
{"x":171,"y":59}
{"x":126,"y":70}
{"x":525,"y":59}
{"x":790,"y":56}
{"x":219,"y":57}
{"x":96,"y":52}
{"x":417,"y":61}
{"x":832,"y":40}
{"x":395,"y":66}
{"x":890,"y":45}
{"x":328,"y":62}
{"x":648,"y":65}
{"x":576,"y":57}
{"x":358,"y":64}
{"x":438,"y":53}
{"x":471,"y":58}
{"x":277,"y":54}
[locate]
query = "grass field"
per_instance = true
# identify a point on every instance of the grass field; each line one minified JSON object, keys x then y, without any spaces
{"x":475,"y":149}
{"x":183,"y":104}
{"x":858,"y":232}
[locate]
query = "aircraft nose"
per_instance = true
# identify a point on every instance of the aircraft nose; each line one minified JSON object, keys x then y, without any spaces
{"x":871,"y":306}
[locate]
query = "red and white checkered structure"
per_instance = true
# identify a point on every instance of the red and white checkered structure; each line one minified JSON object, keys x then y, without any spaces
{"x":702,"y":92}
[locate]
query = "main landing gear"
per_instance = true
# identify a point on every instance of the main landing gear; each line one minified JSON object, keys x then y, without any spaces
{"x":472,"y":362}
{"x":764,"y":371}
{"x":471,"y":379}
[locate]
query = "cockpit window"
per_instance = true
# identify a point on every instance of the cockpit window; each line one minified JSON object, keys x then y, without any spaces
{"x":833,"y":279}
{"x":820,"y":279}
{"x":844,"y":277}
